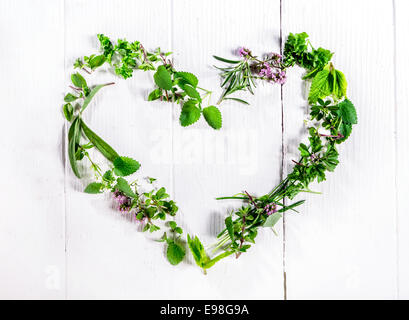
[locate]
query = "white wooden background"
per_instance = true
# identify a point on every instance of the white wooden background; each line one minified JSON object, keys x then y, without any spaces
{"x":58,"y":243}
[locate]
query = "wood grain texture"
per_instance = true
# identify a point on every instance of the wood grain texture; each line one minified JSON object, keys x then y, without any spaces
{"x":57,"y":242}
{"x":402,"y":145}
{"x":244,"y":155}
{"x":343,"y":245}
{"x":32,"y":189}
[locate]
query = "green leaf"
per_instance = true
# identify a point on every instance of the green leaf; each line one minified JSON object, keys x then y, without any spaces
{"x":345,"y":129}
{"x":94,"y":187}
{"x":78,"y":80}
{"x":123,"y":186}
{"x":197,"y":250}
{"x":69,"y":97}
{"x":162,"y":78}
{"x":213,"y":117}
{"x":100,"y":144}
{"x":68,"y":111}
{"x":347,"y":112}
{"x":226,"y":60}
{"x":238,"y":100}
{"x":74,"y":135}
{"x":190,"y":113}
{"x":213,"y":261}
{"x":320,"y":87}
{"x":175,"y":253}
{"x":89,"y":97}
{"x":124,"y":166}
{"x":229,"y":226}
{"x":341,"y":85}
{"x":97,"y":61}
{"x":291,"y":206}
{"x":192,"y":92}
{"x":188,"y":77}
{"x":155,"y":94}
{"x":272,"y":220}
{"x":108,"y":176}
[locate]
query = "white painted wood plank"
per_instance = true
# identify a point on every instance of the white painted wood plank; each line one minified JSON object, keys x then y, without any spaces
{"x":402,"y":117}
{"x":343,"y":244}
{"x":244,"y":155}
{"x":32,"y":190}
{"x":107,"y":256}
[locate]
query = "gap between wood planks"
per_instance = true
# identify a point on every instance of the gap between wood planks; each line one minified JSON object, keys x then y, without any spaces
{"x":282,"y":153}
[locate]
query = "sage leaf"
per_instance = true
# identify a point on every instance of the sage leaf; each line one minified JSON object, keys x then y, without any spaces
{"x":74,"y":134}
{"x":106,"y":150}
{"x":272,"y":220}
{"x":89,"y":97}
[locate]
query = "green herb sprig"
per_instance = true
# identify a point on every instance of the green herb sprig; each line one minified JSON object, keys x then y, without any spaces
{"x":171,"y":85}
{"x":332,"y":116}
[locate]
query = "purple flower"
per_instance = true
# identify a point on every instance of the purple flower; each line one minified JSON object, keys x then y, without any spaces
{"x":270,"y":209}
{"x":243,"y":52}
{"x":124,"y":202}
{"x":277,"y":57}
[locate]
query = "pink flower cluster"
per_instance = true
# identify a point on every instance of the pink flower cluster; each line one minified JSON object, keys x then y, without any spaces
{"x":243,"y":52}
{"x":123,"y":201}
{"x":272,"y":72}
{"x":270,"y":209}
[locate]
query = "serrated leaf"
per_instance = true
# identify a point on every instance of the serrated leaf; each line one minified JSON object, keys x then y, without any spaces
{"x":94,"y":187}
{"x":123,"y":186}
{"x":197,"y":250}
{"x":192,"y":92}
{"x":347,"y":112}
{"x":188,"y":77}
{"x":272,"y":220}
{"x":103,"y":147}
{"x":345,"y":129}
{"x":124,"y":166}
{"x":162,"y":78}
{"x":97,"y":61}
{"x":190,"y":113}
{"x":213,"y":117}
{"x":320,"y":87}
{"x":68,"y":111}
{"x":78,"y":80}
{"x":108,"y":176}
{"x":341,"y":85}
{"x":175,"y":253}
